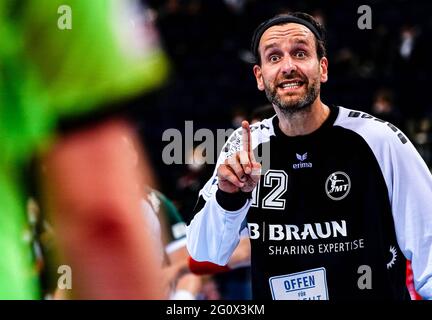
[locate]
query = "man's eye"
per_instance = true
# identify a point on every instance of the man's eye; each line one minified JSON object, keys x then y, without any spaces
{"x":300,"y":54}
{"x":274,"y":58}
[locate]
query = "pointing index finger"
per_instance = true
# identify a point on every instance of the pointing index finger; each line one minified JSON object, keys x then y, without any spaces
{"x":247,"y":140}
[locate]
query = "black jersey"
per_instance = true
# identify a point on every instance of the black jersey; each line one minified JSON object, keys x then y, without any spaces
{"x":334,"y":216}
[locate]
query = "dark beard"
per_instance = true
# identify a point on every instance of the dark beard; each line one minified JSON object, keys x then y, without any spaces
{"x":290,"y":108}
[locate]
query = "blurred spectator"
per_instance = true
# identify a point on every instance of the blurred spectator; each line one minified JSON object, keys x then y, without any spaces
{"x":346,"y":63}
{"x":190,"y":182}
{"x":383,"y":108}
{"x":423,"y":139}
{"x":408,"y":37}
{"x":170,"y":232}
{"x":409,"y":70}
{"x":263,"y":112}
{"x":239,"y":114}
{"x":210,"y":290}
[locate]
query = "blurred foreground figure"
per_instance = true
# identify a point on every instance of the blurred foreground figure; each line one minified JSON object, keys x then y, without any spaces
{"x":69,"y":65}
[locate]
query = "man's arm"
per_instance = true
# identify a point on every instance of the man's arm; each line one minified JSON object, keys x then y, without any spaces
{"x":93,"y":191}
{"x":214,"y":232}
{"x":241,"y":257}
{"x":411,"y":194}
{"x":409,"y":186}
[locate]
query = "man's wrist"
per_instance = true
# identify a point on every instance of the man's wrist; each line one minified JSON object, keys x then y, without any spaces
{"x":232,"y":201}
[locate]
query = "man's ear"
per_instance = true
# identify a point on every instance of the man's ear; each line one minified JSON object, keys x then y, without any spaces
{"x":258,"y":76}
{"x":324,"y":69}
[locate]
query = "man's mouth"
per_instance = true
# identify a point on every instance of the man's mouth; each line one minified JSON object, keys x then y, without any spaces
{"x":290,"y":84}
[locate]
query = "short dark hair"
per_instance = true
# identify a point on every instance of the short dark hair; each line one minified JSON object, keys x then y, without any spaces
{"x":297,"y":17}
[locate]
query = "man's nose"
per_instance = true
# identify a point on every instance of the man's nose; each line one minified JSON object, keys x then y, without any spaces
{"x":288,"y":65}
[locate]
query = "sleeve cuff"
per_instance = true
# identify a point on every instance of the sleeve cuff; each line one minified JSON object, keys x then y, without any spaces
{"x":232,"y":201}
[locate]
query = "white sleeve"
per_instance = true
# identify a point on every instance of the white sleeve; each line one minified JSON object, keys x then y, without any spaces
{"x":214,"y":233}
{"x":410,"y":192}
{"x":409,"y":185}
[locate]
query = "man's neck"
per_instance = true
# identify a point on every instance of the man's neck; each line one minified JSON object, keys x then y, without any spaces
{"x":303,"y":122}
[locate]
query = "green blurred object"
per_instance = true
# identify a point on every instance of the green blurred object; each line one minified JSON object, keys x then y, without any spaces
{"x":46,"y":73}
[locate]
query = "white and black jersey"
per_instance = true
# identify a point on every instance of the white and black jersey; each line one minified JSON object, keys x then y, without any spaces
{"x":334,"y":216}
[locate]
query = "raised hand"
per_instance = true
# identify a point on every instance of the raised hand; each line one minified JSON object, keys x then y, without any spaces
{"x":240,"y":172}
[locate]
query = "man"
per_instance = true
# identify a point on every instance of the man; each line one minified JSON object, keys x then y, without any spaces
{"x":344,"y":200}
{"x":56,"y":77}
{"x":182,"y":274}
{"x":169,"y":231}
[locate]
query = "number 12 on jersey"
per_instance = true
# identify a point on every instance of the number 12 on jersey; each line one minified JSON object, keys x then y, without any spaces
{"x":278,"y":181}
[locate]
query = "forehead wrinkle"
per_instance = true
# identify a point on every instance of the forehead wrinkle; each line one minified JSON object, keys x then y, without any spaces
{"x":287,"y":29}
{"x":292,"y":33}
{"x":297,"y":33}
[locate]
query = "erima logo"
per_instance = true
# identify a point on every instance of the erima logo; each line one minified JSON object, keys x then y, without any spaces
{"x":338,"y":185}
{"x":302,"y":157}
{"x":289,"y":232}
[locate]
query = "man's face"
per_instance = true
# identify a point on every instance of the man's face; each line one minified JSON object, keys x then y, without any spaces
{"x":290,"y":71}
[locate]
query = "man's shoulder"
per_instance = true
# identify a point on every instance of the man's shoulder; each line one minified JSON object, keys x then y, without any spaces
{"x":374,"y":130}
{"x":260,"y":133}
{"x":260,"y":128}
{"x":264,"y":126}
